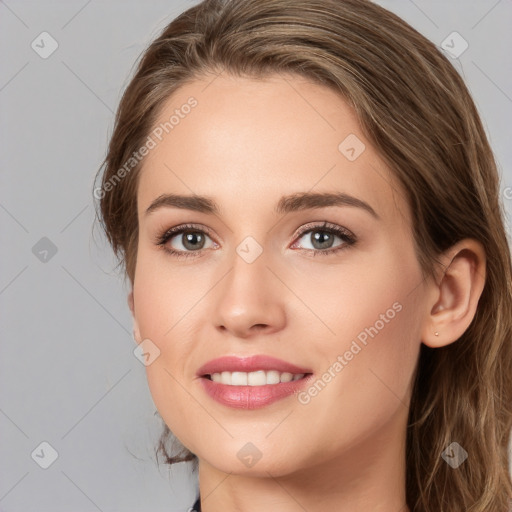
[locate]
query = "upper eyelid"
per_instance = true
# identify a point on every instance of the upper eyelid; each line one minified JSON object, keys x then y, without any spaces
{"x":326,"y":225}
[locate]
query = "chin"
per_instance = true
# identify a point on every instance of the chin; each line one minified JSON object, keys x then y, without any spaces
{"x":258,"y":459}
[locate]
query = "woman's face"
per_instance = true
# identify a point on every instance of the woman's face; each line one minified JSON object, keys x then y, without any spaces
{"x":264,"y":275}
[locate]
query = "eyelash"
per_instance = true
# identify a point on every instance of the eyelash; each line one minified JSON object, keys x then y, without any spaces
{"x":348,"y":238}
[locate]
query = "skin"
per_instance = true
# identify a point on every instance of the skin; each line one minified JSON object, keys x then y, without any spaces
{"x":247,"y":143}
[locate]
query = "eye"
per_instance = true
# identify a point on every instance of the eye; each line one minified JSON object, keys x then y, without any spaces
{"x":184,"y":240}
{"x":322,"y":238}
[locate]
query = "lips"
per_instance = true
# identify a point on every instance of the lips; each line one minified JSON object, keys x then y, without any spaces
{"x":241,"y":393}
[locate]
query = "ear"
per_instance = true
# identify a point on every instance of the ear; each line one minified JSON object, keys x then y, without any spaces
{"x":454,"y":298}
{"x":136,"y":332}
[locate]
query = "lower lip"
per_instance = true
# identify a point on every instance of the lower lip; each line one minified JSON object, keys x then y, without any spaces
{"x":251,"y":397}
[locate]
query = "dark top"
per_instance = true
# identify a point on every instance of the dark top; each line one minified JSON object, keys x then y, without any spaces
{"x":197,"y":505}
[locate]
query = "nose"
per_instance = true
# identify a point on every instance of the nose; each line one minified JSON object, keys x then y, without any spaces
{"x":251,"y":300}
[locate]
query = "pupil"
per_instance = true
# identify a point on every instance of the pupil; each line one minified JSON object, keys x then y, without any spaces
{"x":192,"y":239}
{"x":325,"y":239}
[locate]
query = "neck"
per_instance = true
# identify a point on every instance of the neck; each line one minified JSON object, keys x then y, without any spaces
{"x":369,"y":476}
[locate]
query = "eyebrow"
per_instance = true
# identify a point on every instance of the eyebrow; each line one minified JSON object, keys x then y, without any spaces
{"x":287,"y":204}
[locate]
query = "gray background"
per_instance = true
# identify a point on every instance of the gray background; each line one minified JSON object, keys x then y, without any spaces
{"x":68,"y":375}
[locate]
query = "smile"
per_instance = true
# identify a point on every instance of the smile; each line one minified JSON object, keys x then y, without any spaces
{"x":251,"y":382}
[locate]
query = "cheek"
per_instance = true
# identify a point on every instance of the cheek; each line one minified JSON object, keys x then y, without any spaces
{"x":161,"y":316}
{"x":162,"y":298}
{"x":376,"y":348}
{"x":374,"y":299}
{"x":371,"y":385}
{"x":387,"y":312}
{"x":375,"y":384}
{"x":365,"y":368}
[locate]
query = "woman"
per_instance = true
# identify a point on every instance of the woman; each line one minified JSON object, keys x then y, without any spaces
{"x":307,"y":207}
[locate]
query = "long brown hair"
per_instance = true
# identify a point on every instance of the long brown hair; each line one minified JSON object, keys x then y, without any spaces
{"x":416,"y":110}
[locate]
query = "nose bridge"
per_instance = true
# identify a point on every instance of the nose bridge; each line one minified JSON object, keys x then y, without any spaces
{"x":248,"y":275}
{"x":249,"y":294}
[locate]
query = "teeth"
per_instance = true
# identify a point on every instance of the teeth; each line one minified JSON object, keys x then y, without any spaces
{"x":259,"y":378}
{"x":256,"y":378}
{"x":273,"y":377}
{"x":237,"y":378}
{"x":286,"y":377}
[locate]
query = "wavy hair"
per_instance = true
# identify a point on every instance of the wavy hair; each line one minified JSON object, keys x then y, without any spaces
{"x":414,"y":107}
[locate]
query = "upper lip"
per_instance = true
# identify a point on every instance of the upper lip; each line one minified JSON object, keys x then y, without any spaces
{"x":248,"y":364}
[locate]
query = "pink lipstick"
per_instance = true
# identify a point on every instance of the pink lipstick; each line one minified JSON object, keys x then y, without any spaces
{"x":251,"y":382}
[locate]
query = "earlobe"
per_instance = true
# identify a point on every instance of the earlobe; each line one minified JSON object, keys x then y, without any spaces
{"x":455,"y":297}
{"x":131,"y":304}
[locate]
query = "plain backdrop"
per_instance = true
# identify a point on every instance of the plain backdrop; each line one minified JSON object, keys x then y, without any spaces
{"x":68,"y":376}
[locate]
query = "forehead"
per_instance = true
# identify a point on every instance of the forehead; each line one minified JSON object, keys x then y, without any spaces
{"x":248,"y":141}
